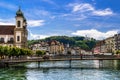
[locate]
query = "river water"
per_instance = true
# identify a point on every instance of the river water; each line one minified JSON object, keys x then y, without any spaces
{"x":59,"y":70}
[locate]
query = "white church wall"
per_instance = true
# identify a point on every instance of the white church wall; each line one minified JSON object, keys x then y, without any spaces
{"x":6,"y":37}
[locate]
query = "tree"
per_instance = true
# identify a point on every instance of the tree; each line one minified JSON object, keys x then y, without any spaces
{"x":29,"y":52}
{"x":14,"y":51}
{"x":2,"y":52}
{"x":40,"y":53}
{"x":5,"y":50}
{"x":73,"y":41}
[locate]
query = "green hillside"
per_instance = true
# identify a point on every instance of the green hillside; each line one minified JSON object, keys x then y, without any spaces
{"x":82,"y":42}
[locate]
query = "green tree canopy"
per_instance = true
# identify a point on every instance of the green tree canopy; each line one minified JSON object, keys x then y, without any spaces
{"x":73,"y":41}
{"x":40,"y":53}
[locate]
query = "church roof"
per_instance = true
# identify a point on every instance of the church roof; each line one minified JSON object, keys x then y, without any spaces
{"x":7,"y":29}
{"x":20,"y":13}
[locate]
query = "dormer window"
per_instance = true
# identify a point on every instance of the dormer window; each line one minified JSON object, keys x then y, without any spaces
{"x":18,"y":23}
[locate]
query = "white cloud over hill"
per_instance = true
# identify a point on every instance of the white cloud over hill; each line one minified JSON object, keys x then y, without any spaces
{"x":93,"y":33}
{"x":35,"y":23}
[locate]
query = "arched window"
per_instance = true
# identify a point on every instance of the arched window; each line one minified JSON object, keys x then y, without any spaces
{"x":18,"y":38}
{"x":2,"y":39}
{"x":11,"y":39}
{"x":18,"y":23}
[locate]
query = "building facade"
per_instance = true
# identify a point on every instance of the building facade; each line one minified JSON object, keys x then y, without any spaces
{"x":15,"y":35}
{"x":100,"y":47}
{"x":110,"y":44}
{"x":117,"y":41}
{"x":53,"y":47}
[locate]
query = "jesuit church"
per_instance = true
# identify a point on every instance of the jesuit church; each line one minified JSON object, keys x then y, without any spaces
{"x":15,"y":35}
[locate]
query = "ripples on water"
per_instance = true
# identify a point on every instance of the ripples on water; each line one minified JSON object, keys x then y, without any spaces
{"x":81,"y":70}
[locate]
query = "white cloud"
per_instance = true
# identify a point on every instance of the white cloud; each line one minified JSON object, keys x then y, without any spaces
{"x":85,"y":7}
{"x":31,"y":23}
{"x":105,"y":12}
{"x":93,"y":33}
{"x":7,"y":21}
{"x":35,"y":23}
{"x":36,"y":36}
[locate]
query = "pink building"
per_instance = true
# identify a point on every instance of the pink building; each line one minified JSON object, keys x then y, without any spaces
{"x":100,"y":47}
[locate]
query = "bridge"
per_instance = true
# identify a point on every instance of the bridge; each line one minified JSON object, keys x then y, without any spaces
{"x":58,"y":58}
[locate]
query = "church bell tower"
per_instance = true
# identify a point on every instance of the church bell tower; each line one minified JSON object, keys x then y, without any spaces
{"x":20,"y":31}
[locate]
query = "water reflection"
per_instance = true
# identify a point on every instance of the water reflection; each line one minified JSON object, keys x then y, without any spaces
{"x":84,"y":64}
{"x":13,"y":74}
{"x":74,"y":74}
{"x":81,"y":70}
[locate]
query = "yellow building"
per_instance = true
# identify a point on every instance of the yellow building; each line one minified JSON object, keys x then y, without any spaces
{"x":110,"y":44}
{"x":53,"y":47}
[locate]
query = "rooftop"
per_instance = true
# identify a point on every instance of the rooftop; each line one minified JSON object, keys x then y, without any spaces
{"x":7,"y":29}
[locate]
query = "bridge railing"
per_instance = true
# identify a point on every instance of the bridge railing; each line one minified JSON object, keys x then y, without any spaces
{"x":71,"y":56}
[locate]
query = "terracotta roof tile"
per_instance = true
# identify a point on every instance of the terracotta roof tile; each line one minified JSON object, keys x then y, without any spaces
{"x":7,"y":29}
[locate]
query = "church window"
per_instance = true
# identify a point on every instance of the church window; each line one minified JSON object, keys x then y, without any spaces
{"x":11,"y":39}
{"x":18,"y":24}
{"x":18,"y":38}
{"x":2,"y":39}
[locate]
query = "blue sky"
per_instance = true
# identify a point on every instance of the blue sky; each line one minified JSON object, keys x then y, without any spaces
{"x":93,"y":18}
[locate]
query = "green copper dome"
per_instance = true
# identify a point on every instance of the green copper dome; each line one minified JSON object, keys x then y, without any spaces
{"x":19,"y":12}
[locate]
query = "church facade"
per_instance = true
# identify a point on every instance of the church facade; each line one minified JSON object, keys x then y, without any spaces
{"x":15,"y":35}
